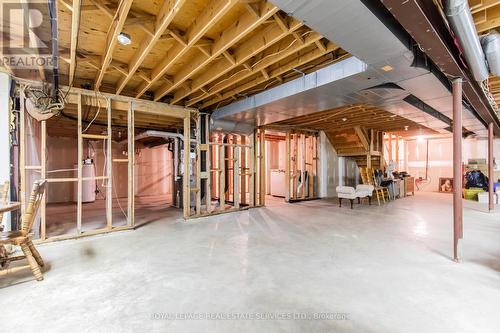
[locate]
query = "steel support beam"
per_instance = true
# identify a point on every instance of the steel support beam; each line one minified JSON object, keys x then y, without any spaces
{"x":427,"y":28}
{"x":490,"y":168}
{"x":457,"y":169}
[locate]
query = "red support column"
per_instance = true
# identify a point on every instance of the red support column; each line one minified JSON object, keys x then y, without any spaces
{"x":457,"y":169}
{"x":491,"y":206}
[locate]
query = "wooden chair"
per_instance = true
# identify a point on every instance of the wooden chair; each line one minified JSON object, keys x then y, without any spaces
{"x":368,"y":178}
{"x":4,"y":198}
{"x":384,"y":191}
{"x":23,"y":236}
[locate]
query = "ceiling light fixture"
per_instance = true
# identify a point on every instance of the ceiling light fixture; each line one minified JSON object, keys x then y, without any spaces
{"x":387,"y":68}
{"x":344,"y":119}
{"x":124,"y":38}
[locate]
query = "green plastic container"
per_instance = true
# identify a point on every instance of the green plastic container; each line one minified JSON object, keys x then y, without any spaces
{"x":471,"y":193}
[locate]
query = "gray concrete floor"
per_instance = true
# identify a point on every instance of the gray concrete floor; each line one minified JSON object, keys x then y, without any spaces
{"x":388,"y":268}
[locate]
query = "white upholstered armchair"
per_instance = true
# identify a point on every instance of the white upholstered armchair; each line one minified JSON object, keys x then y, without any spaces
{"x":351,"y":193}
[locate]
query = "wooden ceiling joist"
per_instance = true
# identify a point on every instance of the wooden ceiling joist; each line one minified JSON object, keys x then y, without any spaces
{"x":245,"y":24}
{"x":29,"y":20}
{"x":196,"y":52}
{"x":75,"y":24}
{"x":102,"y":7}
{"x":165,"y":16}
{"x":255,"y":45}
{"x":297,"y":62}
{"x":111,"y":39}
{"x":210,"y":15}
{"x":354,"y":118}
{"x":362,"y":137}
{"x":487,"y":16}
{"x":273,"y":55}
{"x":479,"y":5}
{"x":67,"y":4}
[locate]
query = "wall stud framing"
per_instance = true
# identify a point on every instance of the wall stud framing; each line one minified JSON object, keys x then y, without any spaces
{"x":131,"y":164}
{"x":222,"y":178}
{"x":79,"y":168}
{"x":236,"y":177}
{"x":197,"y":190}
{"x":208,"y":166}
{"x":243,"y":171}
{"x":43,"y":175}
{"x":187,"y":169}
{"x":287,"y":167}
{"x":252,"y":169}
{"x":75,"y":97}
{"x":109,"y":172}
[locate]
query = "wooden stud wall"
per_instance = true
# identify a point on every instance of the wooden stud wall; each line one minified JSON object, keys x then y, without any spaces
{"x":302,"y":154}
{"x":232,"y":195}
{"x":81,"y":97}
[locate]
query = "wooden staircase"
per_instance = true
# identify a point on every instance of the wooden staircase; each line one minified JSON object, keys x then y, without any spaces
{"x":362,"y":145}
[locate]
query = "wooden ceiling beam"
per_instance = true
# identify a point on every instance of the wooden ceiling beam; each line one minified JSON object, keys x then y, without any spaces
{"x":102,"y":6}
{"x":281,"y":22}
{"x":245,"y":24}
{"x":75,"y":23}
{"x":299,"y":61}
{"x":229,"y":57}
{"x":255,"y":45}
{"x":479,"y":5}
{"x":111,"y":39}
{"x":122,"y":103}
{"x":320,"y":45}
{"x":138,"y":19}
{"x":67,"y":4}
{"x":165,"y":16}
{"x":487,"y":19}
{"x":215,"y":10}
{"x":363,"y":139}
{"x":29,"y":18}
{"x":178,"y":37}
{"x":253,"y":10}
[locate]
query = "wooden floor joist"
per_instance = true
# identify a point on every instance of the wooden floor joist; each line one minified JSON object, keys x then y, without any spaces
{"x":186,"y":52}
{"x":212,"y":13}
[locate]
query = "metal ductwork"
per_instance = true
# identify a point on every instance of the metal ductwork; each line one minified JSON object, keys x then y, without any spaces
{"x":158,"y":134}
{"x":385,"y":71}
{"x":462,"y":24}
{"x":491,"y":48}
{"x":233,"y":127}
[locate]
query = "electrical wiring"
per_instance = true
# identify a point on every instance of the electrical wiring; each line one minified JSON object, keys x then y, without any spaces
{"x":98,"y":110}
{"x":42,"y":100}
{"x":489,"y":96}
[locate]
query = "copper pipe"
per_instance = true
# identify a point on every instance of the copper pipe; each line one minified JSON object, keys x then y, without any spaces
{"x":457,"y":168}
{"x":490,"y":167}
